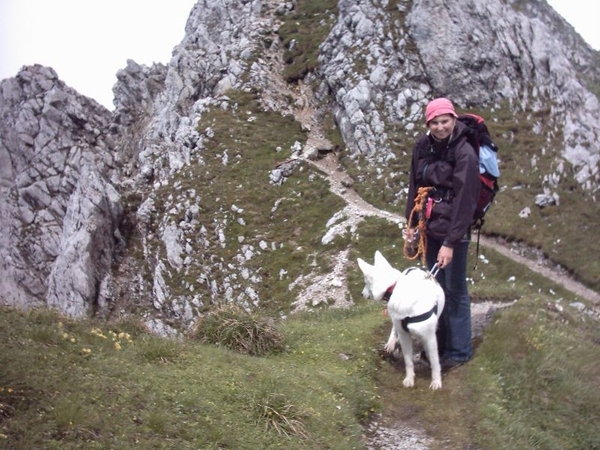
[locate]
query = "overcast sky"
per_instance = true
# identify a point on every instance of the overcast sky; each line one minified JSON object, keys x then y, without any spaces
{"x":88,"y":41}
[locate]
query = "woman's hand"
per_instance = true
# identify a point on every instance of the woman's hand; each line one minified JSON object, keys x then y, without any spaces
{"x":444,"y":256}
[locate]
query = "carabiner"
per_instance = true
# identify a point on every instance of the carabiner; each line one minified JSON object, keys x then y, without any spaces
{"x":434,"y":270}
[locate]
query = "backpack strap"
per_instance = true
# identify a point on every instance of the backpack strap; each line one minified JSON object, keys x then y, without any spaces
{"x":469,"y":135}
{"x":424,"y":149}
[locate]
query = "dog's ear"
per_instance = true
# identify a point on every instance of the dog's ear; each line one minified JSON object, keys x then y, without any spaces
{"x":381,"y":261}
{"x":364,"y":266}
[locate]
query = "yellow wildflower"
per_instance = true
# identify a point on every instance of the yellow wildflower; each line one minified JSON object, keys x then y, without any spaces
{"x":98,"y":333}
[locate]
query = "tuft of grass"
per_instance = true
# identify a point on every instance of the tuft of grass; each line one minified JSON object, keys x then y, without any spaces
{"x":279,"y":415}
{"x":153,"y":350}
{"x":232,"y":327}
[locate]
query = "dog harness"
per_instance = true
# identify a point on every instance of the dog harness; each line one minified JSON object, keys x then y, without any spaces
{"x":421,"y":317}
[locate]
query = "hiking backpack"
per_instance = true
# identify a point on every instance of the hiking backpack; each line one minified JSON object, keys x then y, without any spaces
{"x":479,"y":137}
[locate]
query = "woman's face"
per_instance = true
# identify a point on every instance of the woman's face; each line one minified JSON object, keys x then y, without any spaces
{"x":441,"y":126}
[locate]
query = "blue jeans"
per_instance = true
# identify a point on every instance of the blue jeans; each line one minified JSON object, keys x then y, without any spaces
{"x":454,"y":326}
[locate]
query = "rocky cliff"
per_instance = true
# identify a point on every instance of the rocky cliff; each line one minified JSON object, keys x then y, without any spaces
{"x":193,"y":190}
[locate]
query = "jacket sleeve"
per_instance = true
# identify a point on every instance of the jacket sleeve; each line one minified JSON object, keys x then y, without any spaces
{"x":466,"y":186}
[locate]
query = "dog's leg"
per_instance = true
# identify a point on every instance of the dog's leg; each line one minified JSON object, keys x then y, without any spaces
{"x":392,"y":340}
{"x":407,"y":353}
{"x":434,"y":360}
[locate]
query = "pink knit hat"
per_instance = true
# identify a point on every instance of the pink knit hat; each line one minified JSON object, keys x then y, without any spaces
{"x":438,"y":107}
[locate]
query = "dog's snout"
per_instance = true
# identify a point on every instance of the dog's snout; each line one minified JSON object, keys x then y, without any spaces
{"x":366,"y":292}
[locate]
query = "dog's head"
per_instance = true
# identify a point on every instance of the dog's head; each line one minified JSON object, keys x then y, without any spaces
{"x":378,"y":277}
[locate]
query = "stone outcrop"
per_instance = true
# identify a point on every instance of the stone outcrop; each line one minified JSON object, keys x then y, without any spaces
{"x":58,"y":205}
{"x":479,"y":53}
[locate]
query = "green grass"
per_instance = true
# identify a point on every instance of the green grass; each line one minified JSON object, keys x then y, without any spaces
{"x":69,"y":386}
{"x":538,"y":384}
{"x":242,"y":143}
{"x":302,"y":32}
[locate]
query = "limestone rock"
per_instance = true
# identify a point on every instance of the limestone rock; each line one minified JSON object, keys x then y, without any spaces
{"x":94,"y":208}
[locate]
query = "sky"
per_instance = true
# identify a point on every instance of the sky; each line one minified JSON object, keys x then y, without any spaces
{"x":87,"y":41}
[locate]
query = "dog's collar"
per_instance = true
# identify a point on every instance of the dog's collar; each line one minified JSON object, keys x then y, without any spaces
{"x":388,"y":293}
{"x":420,"y":318}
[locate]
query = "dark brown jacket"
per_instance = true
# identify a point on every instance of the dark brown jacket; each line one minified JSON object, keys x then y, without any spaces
{"x":453,"y":169}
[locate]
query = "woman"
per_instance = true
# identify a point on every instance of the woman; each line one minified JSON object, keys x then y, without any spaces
{"x":444,"y":160}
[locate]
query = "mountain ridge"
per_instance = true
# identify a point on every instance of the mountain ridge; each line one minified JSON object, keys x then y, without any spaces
{"x":107,"y":213}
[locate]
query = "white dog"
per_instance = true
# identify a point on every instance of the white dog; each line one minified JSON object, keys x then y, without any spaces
{"x":416,"y":300}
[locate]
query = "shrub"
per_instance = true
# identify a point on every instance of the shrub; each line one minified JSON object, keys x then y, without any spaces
{"x":232,"y":327}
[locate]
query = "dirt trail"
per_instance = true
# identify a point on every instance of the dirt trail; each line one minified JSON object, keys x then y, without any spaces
{"x":542,"y":266}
